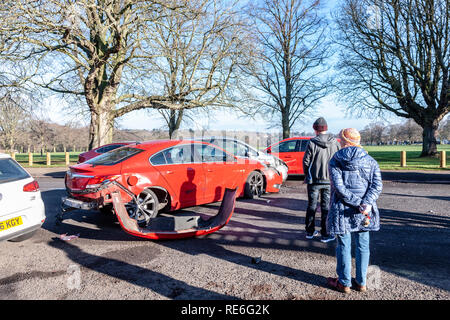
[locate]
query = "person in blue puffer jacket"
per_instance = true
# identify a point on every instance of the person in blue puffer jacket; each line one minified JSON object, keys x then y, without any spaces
{"x":355,"y":187}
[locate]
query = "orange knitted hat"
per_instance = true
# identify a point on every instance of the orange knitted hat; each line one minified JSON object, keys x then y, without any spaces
{"x":351,"y":136}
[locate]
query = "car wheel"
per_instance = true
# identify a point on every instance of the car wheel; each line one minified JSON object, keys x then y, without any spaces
{"x":23,"y":237}
{"x":254,"y":186}
{"x":145,"y":208}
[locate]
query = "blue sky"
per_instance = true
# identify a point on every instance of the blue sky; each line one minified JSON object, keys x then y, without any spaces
{"x":329,"y":108}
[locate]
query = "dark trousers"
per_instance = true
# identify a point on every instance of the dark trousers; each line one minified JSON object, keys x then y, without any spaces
{"x":314,"y":192}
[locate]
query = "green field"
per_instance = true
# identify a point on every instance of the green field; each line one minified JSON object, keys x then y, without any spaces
{"x":57,"y":159}
{"x":388,"y":157}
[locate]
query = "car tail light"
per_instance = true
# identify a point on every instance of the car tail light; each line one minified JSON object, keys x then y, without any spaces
{"x":31,"y":187}
{"x":96,"y":181}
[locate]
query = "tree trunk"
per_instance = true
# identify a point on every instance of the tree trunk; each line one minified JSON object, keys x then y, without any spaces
{"x":285,"y":125}
{"x":100,"y":129}
{"x":175,"y":121}
{"x":429,"y":143}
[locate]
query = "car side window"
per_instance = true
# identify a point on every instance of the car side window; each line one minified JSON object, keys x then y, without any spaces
{"x":241,"y":150}
{"x":286,"y":146}
{"x":303,"y":145}
{"x":180,"y":154}
{"x":158,"y":159}
{"x":212,"y":154}
{"x":109,"y":148}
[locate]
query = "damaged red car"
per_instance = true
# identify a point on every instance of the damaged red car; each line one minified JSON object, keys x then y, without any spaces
{"x":165,"y":175}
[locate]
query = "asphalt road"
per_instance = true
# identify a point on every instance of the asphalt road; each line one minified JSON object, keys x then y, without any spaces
{"x":261,"y":254}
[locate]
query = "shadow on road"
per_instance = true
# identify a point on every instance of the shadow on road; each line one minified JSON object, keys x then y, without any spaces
{"x":410,"y":245}
{"x":136,"y":275}
{"x":416,"y":177}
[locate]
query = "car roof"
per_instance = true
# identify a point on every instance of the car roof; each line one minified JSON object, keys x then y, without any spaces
{"x":222,"y":138}
{"x":4,"y":155}
{"x":159,"y":144}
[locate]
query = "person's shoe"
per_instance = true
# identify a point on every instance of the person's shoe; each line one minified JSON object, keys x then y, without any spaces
{"x":310,"y":236}
{"x":327,"y":239}
{"x":336,"y":285}
{"x":357,"y":287}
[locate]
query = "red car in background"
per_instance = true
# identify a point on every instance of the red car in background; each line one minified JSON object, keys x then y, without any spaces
{"x":291,"y":151}
{"x":82,"y":157}
{"x":166,"y":174}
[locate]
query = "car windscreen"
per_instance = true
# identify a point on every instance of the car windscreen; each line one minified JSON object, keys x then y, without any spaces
{"x":11,"y":171}
{"x":114,"y":156}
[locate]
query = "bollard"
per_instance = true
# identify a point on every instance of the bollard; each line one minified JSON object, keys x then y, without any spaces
{"x":67,"y":158}
{"x":30,"y":159}
{"x":49,"y":160}
{"x":443,"y":159}
{"x":403,"y":159}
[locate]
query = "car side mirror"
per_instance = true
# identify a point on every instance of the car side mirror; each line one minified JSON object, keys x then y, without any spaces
{"x":269,"y":150}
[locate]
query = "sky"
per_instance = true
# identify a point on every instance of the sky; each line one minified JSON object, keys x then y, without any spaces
{"x":334,"y":113}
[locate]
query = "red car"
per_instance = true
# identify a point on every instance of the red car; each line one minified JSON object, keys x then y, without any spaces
{"x":291,"y":151}
{"x":169,"y":174}
{"x":82,"y":157}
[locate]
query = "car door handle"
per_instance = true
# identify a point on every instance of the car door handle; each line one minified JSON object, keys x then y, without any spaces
{"x":209,"y":170}
{"x":169,"y":171}
{"x":288,"y":157}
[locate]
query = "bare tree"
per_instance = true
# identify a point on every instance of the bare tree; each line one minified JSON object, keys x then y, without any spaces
{"x":395,"y":57}
{"x":444,"y":130}
{"x":374,"y":133}
{"x":100,"y":50}
{"x":291,"y":38}
{"x":12,"y":115}
{"x":198,"y":55}
{"x":410,"y":131}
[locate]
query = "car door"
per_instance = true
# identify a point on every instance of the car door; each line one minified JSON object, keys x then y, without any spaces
{"x":184,"y":173}
{"x":302,"y":145}
{"x":221,"y":171}
{"x":288,"y":151}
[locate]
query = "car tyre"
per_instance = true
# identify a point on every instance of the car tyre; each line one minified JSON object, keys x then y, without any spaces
{"x":254,"y":186}
{"x":146,"y":209}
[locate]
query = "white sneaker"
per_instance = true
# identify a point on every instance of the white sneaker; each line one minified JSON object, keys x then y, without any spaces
{"x":311,"y":236}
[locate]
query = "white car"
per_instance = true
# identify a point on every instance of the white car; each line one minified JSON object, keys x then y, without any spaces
{"x":243,"y":150}
{"x":22,"y":210}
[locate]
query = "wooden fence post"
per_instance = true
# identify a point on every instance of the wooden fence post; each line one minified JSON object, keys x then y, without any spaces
{"x":403,"y":159}
{"x":13,"y":155}
{"x":49,"y":160}
{"x":30,"y":159}
{"x":443,"y":159}
{"x":67,"y":158}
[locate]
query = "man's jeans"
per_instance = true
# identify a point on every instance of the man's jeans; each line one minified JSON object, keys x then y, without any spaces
{"x":314,"y":191}
{"x":344,"y":257}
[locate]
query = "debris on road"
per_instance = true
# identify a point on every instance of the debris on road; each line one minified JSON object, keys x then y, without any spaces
{"x":65,"y":237}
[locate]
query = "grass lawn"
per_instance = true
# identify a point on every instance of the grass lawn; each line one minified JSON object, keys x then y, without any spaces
{"x":58,"y":159}
{"x":388,"y":157}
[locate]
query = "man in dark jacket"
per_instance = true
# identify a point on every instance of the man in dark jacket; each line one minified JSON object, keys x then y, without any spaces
{"x":315,"y":165}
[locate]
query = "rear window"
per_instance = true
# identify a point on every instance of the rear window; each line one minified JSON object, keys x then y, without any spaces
{"x":108,"y":148}
{"x":114,"y":157}
{"x":10,"y":170}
